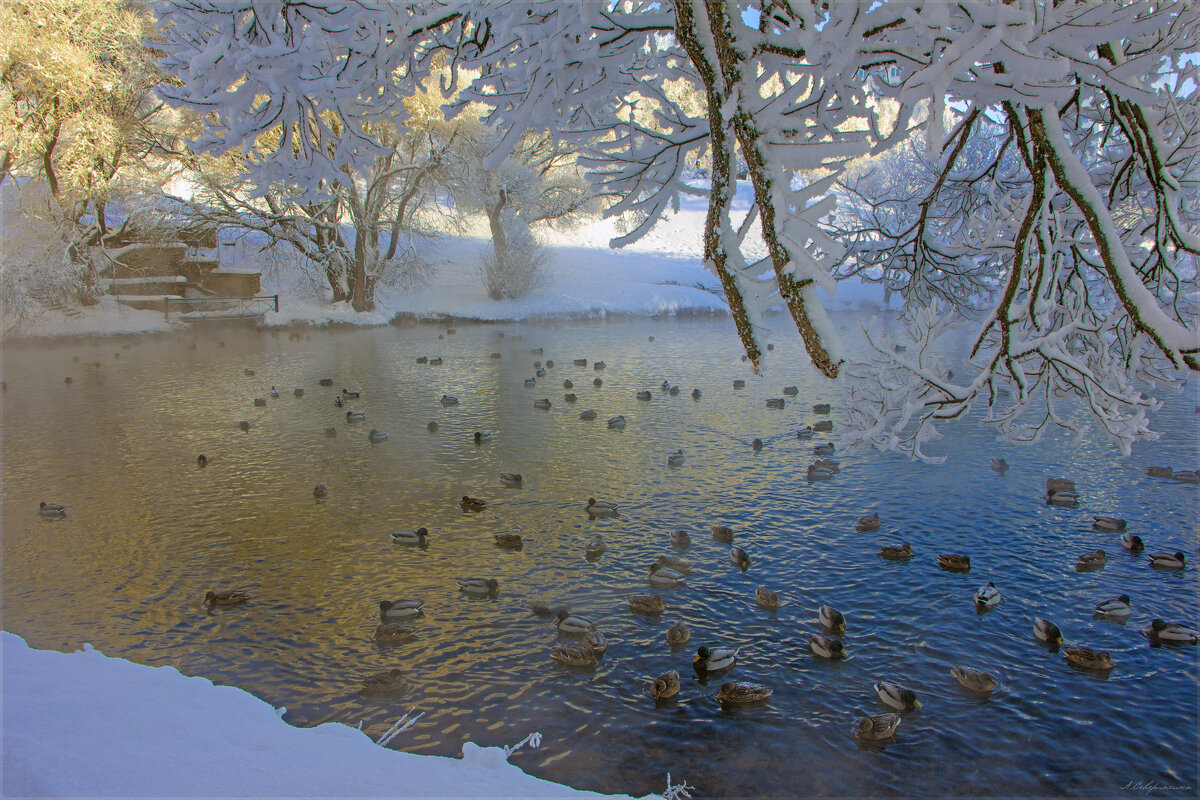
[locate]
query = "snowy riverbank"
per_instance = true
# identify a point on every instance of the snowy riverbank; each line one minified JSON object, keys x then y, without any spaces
{"x":660,"y":275}
{"x":85,"y":725}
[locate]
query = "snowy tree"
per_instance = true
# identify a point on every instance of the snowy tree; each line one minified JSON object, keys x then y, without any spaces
{"x":1088,"y":294}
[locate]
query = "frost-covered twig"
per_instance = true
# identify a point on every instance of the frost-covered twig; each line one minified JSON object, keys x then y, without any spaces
{"x":678,"y":791}
{"x":402,"y":724}
{"x":534,"y":740}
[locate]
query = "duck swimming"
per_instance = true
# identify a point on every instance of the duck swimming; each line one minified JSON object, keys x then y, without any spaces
{"x":868,"y":523}
{"x":1161,"y":631}
{"x":355,"y":416}
{"x":377,"y":436}
{"x":974,"y":680}
{"x":954,"y":563}
{"x":1168,"y":561}
{"x":595,"y":546}
{"x":766,"y":598}
{"x":665,"y":686}
{"x":590,"y":414}
{"x":901,"y":553}
{"x":51,"y":509}
{"x":479,"y":587}
{"x":665,"y":577}
{"x":597,"y":508}
{"x":987,"y":597}
{"x":877,"y":726}
{"x":675,"y":459}
{"x":739,"y":558}
{"x":383,"y":683}
{"x":831,"y":619}
{"x":1120,"y":608}
{"x":680,"y":538}
{"x":511,"y":478}
{"x":399,"y":609}
{"x":826,"y":647}
{"x":1046,"y":631}
{"x":510,"y":540}
{"x":646,"y":604}
{"x":1087,"y":658}
{"x":714,"y":659}
{"x":482,"y":436}
{"x":739,"y":693}
{"x":1091,"y":560}
{"x":573,"y":625}
{"x":617,"y":422}
{"x":678,"y":634}
{"x":226,"y":598}
{"x":419,"y":536}
{"x":723,"y":533}
{"x":1132,"y":542}
{"x":1111,"y":524}
{"x":893,"y":695}
{"x":469,"y":503}
{"x":682,"y":567}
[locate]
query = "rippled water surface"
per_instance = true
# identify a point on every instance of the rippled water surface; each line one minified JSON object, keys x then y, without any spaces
{"x":148,"y":532}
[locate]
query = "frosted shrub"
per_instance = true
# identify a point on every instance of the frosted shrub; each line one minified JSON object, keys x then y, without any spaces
{"x":523,"y":267}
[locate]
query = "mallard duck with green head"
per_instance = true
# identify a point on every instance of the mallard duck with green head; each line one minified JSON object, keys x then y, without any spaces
{"x":1047,"y":631}
{"x":1162,"y":631}
{"x":595,"y":546}
{"x":1120,"y":608}
{"x":479,"y":587}
{"x":1094,"y":559}
{"x":599,"y":508}
{"x":739,"y":558}
{"x":1168,"y":561}
{"x":573,"y":625}
{"x":897,"y":697}
{"x":831,"y":619}
{"x":826,"y":646}
{"x":714,"y":659}
{"x":665,"y":577}
{"x":419,"y":536}
{"x":399,"y":609}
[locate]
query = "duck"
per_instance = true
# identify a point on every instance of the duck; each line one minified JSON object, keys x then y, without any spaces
{"x":877,"y":726}
{"x":273,"y":392}
{"x":482,"y":436}
{"x":974,"y":680}
{"x":739,"y":558}
{"x":596,"y":641}
{"x":617,"y":422}
{"x":1168,"y":561}
{"x":540,"y":372}
{"x":999,"y":465}
{"x":741,"y":693}
{"x":666,"y":385}
{"x":987,"y":597}
{"x":869,"y":523}
{"x":511,"y":478}
{"x":682,"y":567}
{"x":229,"y":597}
{"x":595,"y":546}
{"x":244,"y":426}
{"x":821,"y":408}
{"x":355,"y":416}
{"x":680,"y":538}
{"x":675,"y":459}
{"x":1061,"y":497}
{"x":892,"y":553}
{"x":1059,"y":485}
{"x":202,"y":460}
{"x":399,"y":609}
{"x":1160,"y":472}
{"x":51,"y":509}
{"x":320,"y":490}
{"x":816,"y":473}
{"x":599,"y":508}
{"x":723,"y":533}
{"x":419,"y":536}
{"x":827,"y":463}
{"x":589,"y":415}
{"x":350,"y":395}
{"x":678,"y":634}
{"x":449,"y":400}
{"x":247,"y":372}
{"x":766,"y":598}
{"x":331,"y":433}
{"x":1187,"y":476}
{"x":823,"y":426}
{"x":791,"y":391}
{"x":599,"y":365}
{"x":480,"y":587}
{"x":383,"y":683}
{"x":377,"y":436}
{"x":824,"y":449}
{"x":298,"y":392}
{"x":337,"y":401}
{"x":573,"y":625}
{"x":1120,"y":608}
{"x":1162,"y":631}
{"x":568,"y":384}
{"x":1087,"y":658}
{"x":1132,"y":542}
{"x":831,"y":619}
{"x":598,"y":383}
{"x":756,"y":443}
{"x":646,"y":604}
{"x":1110,"y":524}
{"x":435,"y":361}
{"x":665,"y":686}
{"x":1091,"y":560}
{"x":530,"y":382}
{"x":581,"y":657}
{"x":509,"y":540}
{"x":826,"y":646}
{"x":806,"y":432}
{"x":665,"y":577}
{"x":580,"y":362}
{"x":775,"y":402}
{"x":695,"y":394}
{"x":714,"y":659}
{"x":325,"y":382}
{"x":739,"y":384}
{"x":954,"y":563}
{"x":893,"y":695}
{"x":570,"y":397}
{"x":469,"y":503}
{"x":1047,"y":631}
{"x":260,"y":402}
{"x":645,"y":396}
{"x":393,"y":633}
{"x":543,"y":404}
{"x":432,"y":427}
{"x":673,"y":391}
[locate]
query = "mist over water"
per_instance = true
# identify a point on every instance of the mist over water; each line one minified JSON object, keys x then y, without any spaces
{"x":148,"y":532}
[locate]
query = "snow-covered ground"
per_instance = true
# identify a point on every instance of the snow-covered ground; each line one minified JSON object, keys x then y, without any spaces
{"x":85,"y":725}
{"x":660,"y":274}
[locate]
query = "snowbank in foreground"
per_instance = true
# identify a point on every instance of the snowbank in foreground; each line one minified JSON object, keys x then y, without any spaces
{"x":85,"y":725}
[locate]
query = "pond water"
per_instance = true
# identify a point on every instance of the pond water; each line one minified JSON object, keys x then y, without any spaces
{"x":148,"y":532}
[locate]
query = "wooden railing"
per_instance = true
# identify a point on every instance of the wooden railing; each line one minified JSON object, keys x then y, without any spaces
{"x":238,"y":306}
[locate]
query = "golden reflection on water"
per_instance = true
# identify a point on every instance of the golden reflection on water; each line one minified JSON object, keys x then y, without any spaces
{"x":148,"y":532}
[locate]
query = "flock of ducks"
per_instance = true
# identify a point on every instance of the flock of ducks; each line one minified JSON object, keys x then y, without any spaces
{"x":669,"y":573}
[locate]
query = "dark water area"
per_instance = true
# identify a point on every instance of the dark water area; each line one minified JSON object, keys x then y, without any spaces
{"x":148,"y":532}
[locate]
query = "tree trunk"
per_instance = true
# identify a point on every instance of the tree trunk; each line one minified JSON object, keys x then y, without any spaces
{"x":362,"y":278}
{"x":499,"y":241}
